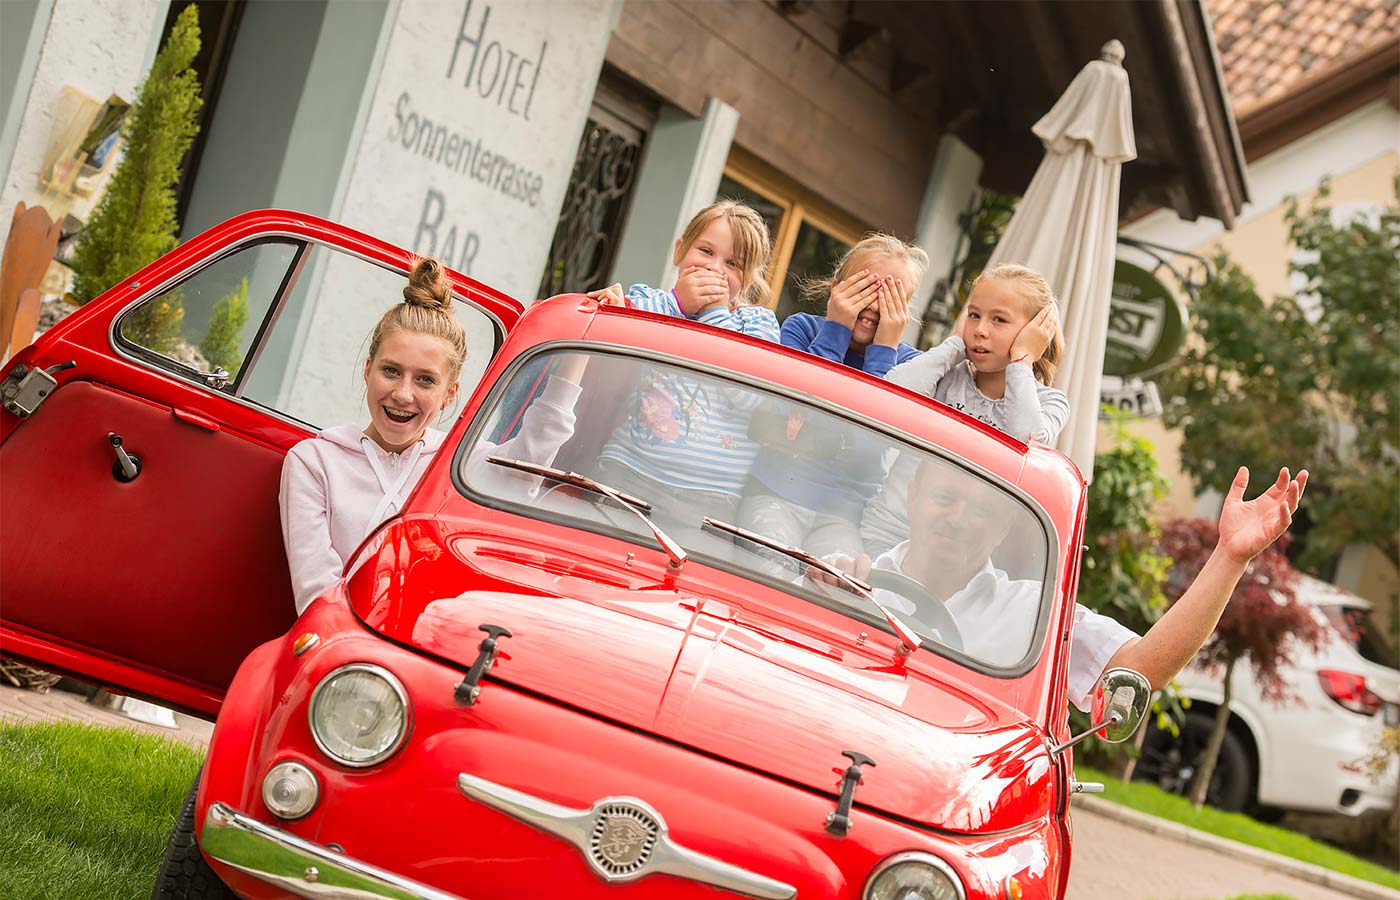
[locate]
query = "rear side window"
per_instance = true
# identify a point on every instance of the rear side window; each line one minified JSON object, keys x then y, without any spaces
{"x":283,"y":325}
{"x":1358,"y":627}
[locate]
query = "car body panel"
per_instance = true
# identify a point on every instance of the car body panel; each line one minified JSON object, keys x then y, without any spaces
{"x":723,"y":703}
{"x":565,"y":756}
{"x":147,"y":565}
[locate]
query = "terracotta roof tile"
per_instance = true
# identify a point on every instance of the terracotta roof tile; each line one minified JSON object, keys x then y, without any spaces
{"x":1267,"y":47}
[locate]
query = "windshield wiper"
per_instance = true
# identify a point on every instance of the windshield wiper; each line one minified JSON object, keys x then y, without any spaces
{"x":675,"y":554}
{"x":910,"y":638}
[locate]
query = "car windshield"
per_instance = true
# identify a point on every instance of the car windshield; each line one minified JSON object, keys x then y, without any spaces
{"x":607,"y":442}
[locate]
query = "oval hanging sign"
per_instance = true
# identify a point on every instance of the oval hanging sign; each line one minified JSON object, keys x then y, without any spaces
{"x":1146,"y":323}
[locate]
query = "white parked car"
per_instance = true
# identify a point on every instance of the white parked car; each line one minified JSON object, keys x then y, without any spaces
{"x":1301,"y":754}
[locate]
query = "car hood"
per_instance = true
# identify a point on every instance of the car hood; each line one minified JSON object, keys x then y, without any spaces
{"x":673,"y":660}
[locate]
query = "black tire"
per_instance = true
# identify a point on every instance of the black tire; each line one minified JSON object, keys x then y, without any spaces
{"x":184,"y":874}
{"x":1169,"y":762}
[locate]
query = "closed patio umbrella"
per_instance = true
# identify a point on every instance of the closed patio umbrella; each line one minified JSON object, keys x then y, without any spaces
{"x":1066,"y":228}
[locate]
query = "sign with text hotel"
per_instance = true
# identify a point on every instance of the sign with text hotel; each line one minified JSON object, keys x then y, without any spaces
{"x":473,"y":129}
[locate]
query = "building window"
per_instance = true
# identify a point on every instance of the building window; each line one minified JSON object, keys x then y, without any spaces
{"x":809,"y":234}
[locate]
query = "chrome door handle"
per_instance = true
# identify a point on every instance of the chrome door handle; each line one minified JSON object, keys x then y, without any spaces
{"x":128,"y":465}
{"x":218,"y":378}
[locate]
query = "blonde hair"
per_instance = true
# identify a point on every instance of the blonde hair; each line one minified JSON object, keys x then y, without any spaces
{"x":426,"y":309}
{"x":1035,"y":290}
{"x":752,"y":245}
{"x":874,"y":244}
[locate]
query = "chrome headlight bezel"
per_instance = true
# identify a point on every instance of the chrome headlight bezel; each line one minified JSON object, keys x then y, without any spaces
{"x":293,"y":767}
{"x":394,"y":684}
{"x":915,"y":856}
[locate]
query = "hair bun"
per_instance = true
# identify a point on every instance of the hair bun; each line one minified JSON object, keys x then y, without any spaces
{"x":428,"y":286}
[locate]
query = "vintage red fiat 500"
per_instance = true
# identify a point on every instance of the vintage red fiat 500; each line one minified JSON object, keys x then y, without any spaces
{"x":530,"y":683}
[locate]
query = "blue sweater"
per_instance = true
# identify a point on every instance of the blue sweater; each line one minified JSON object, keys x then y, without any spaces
{"x":843,"y":486}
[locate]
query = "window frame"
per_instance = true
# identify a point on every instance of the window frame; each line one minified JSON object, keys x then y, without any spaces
{"x":798,"y":205}
{"x":233,"y":391}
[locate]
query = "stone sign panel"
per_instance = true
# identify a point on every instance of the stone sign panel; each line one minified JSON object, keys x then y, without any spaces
{"x":465,"y":153}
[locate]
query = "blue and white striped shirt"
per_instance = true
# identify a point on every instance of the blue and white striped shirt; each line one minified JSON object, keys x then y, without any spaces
{"x":691,"y":433}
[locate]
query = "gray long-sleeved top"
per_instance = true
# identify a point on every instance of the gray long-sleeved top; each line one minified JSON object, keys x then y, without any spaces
{"x":1027,"y":410}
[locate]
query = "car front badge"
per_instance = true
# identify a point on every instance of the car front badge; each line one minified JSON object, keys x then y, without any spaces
{"x":623,"y":839}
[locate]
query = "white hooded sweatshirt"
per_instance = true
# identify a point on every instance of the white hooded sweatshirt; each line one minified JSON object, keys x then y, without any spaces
{"x":338,"y":486}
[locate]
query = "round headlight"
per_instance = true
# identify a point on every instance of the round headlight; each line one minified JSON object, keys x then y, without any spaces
{"x":290,"y":790}
{"x":359,"y":714}
{"x":914,"y":876}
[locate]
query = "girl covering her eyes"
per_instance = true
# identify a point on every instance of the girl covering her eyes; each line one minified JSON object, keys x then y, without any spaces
{"x":816,"y":504}
{"x":338,"y":486}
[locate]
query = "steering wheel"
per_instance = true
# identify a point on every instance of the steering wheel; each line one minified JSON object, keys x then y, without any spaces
{"x":930,"y":611}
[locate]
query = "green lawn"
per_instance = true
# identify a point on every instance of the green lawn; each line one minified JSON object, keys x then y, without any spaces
{"x":85,"y":811}
{"x":1154,"y":801}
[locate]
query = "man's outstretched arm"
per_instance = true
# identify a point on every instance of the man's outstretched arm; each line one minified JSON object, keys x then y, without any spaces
{"x":1246,"y":529}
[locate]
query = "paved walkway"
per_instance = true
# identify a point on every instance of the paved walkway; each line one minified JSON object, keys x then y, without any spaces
{"x":1112,"y":859}
{"x":25,"y":705}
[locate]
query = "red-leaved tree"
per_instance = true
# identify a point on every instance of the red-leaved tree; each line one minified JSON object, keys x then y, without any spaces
{"x":1262,"y":623}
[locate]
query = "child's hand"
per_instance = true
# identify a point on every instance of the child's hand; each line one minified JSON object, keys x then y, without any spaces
{"x":699,"y":290}
{"x":858,"y":568}
{"x":894,"y":314}
{"x":609,"y":296}
{"x":1035,"y":336}
{"x":851,"y":296}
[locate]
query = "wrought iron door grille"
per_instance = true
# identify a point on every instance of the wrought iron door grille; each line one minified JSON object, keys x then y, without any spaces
{"x":585,"y":241}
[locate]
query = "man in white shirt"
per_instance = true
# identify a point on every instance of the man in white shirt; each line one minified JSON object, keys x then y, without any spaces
{"x":955,"y":523}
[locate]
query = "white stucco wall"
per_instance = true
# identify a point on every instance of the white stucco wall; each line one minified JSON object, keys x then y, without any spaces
{"x":465,"y":155}
{"x":101,"y":47}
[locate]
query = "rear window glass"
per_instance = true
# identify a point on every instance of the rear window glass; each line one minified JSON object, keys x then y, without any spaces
{"x":1358,"y":627}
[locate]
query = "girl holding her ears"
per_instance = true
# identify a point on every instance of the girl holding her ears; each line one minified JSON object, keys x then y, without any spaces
{"x":338,"y":486}
{"x":996,"y":367}
{"x":998,"y":363}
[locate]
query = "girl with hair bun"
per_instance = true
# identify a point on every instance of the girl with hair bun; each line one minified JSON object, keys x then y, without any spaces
{"x":338,"y":486}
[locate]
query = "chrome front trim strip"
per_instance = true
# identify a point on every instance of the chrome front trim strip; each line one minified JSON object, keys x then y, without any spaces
{"x":250,"y":846}
{"x":577,"y":826}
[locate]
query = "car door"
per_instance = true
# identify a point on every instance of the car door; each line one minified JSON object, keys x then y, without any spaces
{"x":155,"y":574}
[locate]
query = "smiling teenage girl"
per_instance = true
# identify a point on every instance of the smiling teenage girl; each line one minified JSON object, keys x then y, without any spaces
{"x":339,"y":485}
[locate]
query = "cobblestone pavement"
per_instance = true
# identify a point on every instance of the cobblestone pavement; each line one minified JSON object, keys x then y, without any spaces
{"x":1116,"y":860}
{"x":1111,"y":859}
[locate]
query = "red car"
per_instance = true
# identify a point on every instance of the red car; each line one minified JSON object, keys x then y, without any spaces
{"x":527,"y":684}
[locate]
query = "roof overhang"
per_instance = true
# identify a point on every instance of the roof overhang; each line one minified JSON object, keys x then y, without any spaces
{"x":992,"y":69}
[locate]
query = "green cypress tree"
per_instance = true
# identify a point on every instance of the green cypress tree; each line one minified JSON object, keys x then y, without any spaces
{"x":135,"y":223}
{"x":222,"y":344}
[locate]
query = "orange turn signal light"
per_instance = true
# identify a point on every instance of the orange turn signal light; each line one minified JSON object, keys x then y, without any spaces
{"x":305,"y":642}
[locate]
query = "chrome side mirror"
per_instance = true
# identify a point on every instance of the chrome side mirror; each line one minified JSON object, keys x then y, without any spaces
{"x":1125,"y":695}
{"x":1120,"y":704}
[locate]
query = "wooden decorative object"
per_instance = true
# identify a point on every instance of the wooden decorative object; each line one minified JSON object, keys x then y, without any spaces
{"x":28,"y":250}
